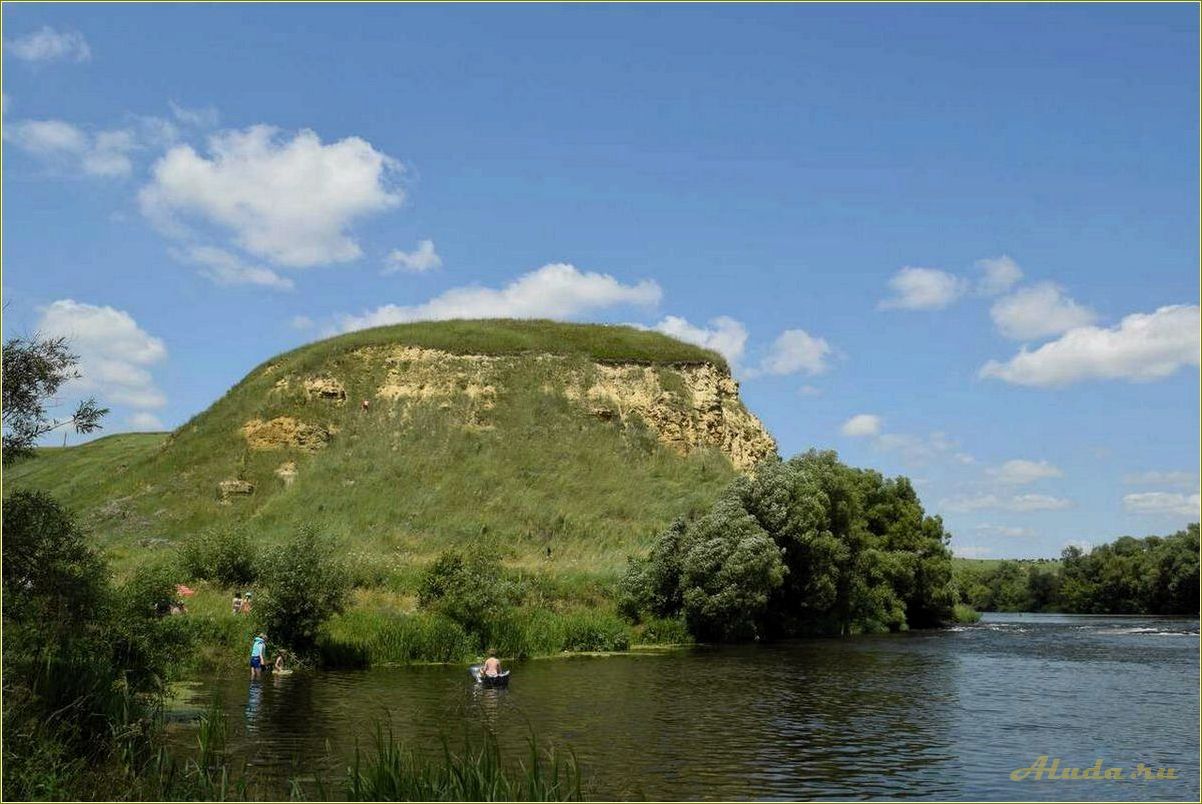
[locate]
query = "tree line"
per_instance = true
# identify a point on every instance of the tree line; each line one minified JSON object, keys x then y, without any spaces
{"x":1152,"y":575}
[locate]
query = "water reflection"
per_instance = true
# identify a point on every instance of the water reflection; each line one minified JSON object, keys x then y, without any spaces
{"x":923,"y":715}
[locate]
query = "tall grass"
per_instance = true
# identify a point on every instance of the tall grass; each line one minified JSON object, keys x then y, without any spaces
{"x":362,"y":637}
{"x":394,"y":772}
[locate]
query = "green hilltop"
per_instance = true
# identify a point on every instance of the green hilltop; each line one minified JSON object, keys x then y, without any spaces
{"x":568,"y":445}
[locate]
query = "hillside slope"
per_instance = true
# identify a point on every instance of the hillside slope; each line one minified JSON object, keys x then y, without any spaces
{"x":583,"y":440}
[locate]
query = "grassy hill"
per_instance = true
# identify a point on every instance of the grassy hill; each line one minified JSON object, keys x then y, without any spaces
{"x":475,"y":429}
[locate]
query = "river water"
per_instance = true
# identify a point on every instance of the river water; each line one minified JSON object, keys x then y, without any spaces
{"x":927,"y":715}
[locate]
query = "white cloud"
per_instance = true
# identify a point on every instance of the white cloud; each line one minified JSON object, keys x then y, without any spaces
{"x":860,"y":425}
{"x":795,"y":351}
{"x":47,"y":44}
{"x":1003,"y":530}
{"x":809,"y":390}
{"x":224,"y":268}
{"x":1154,"y":478}
{"x":999,"y":274}
{"x":970,"y":551}
{"x":5,"y":101}
{"x":1019,"y":502}
{"x":1038,"y":311}
{"x":1021,"y":472}
{"x":1038,"y":502}
{"x":301,"y":322}
{"x":143,"y":420}
{"x":290,"y":201}
{"x":923,"y":289}
{"x":106,"y":153}
{"x":425,"y":258}
{"x":115,"y":354}
{"x":1162,"y":503}
{"x":725,"y":335}
{"x":1081,"y":544}
{"x":919,"y":450}
{"x":1142,"y":347}
{"x":557,"y":291}
{"x":200,"y":117}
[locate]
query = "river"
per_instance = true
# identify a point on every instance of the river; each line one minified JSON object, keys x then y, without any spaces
{"x":931,"y":715}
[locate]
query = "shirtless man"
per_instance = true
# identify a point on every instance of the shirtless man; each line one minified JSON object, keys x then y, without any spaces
{"x":492,"y":666}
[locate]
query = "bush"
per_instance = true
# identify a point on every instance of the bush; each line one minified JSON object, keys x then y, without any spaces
{"x":225,"y":555}
{"x":470,"y":587}
{"x":305,"y":585}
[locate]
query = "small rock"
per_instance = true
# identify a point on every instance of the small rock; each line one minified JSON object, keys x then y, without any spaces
{"x":286,"y":472}
{"x":228,"y":488}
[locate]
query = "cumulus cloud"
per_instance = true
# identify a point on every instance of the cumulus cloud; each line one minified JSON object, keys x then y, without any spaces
{"x":1081,"y":544}
{"x":1155,"y":478}
{"x":1162,"y":503}
{"x":998,"y":274}
{"x":1142,"y":347}
{"x":725,"y":335}
{"x":224,"y":268}
{"x":1021,"y":472}
{"x":557,"y":291}
{"x":922,"y":289}
{"x":302,"y":322}
{"x":1039,"y":311}
{"x":115,"y":354}
{"x":861,"y":425}
{"x":423,"y":259}
{"x":47,"y":45}
{"x":143,"y":420}
{"x":795,"y":351}
{"x":70,"y":148}
{"x":288,"y":200}
{"x":1018,"y":502}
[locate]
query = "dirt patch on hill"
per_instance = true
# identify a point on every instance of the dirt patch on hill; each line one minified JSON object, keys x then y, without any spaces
{"x":284,"y":432}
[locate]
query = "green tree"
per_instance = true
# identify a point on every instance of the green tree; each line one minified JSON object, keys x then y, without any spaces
{"x":305,"y":584}
{"x":34,"y":370}
{"x":805,"y":546}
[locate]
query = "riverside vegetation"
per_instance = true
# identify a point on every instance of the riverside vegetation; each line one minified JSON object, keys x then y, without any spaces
{"x":526,"y":486}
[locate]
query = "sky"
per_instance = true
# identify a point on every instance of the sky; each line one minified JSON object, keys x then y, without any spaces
{"x":958,"y":243}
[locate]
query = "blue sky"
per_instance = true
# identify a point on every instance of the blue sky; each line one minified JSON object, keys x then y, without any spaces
{"x":959,"y":243}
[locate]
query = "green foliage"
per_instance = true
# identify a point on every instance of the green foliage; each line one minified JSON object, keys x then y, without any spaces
{"x":34,"y":369}
{"x":467,"y":584}
{"x":965,"y":614}
{"x":396,"y":773}
{"x":1153,"y":575}
{"x":83,"y":662}
{"x":305,"y":585}
{"x":223,"y":554}
{"x":806,"y":546}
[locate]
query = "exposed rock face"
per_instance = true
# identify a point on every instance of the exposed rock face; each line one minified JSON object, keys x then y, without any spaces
{"x":285,"y":431}
{"x":687,"y":407}
{"x":326,"y":388}
{"x":704,"y":410}
{"x":230,"y":488}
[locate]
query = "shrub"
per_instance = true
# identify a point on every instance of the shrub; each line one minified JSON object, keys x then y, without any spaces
{"x":470,"y":587}
{"x":225,"y":555}
{"x":305,"y":584}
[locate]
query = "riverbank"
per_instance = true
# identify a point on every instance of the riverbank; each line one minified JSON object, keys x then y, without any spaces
{"x":385,"y":629}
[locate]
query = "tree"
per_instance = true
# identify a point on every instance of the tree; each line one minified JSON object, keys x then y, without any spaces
{"x":305,"y":584}
{"x":34,"y":370}
{"x":805,"y":546}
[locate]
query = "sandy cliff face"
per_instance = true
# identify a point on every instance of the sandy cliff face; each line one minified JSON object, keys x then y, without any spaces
{"x":687,"y":407}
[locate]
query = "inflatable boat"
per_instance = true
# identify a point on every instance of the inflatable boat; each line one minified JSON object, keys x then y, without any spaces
{"x":477,"y":671}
